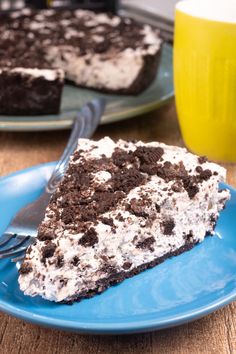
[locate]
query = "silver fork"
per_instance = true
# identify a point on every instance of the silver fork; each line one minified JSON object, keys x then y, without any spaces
{"x":23,"y":228}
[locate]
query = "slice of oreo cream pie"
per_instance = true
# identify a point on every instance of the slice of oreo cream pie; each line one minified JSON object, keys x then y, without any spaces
{"x":121,"y":208}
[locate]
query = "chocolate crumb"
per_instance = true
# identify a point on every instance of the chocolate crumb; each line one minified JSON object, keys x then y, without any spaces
{"x":63,"y":282}
{"x":120,"y":218}
{"x":149,"y":169}
{"x":158,"y":208}
{"x":108,"y":268}
{"x":104,"y":258}
{"x":176,"y":187}
{"x":75,"y":261}
{"x":48,"y":250}
{"x":202,"y":159}
{"x":148,"y":154}
{"x":199,"y":169}
{"x":192,"y":190}
{"x":127,"y":179}
{"x":146,"y":244}
{"x":127,"y":265}
{"x":45,"y":233}
{"x":107,"y":221}
{"x":67,"y":216}
{"x":205,"y":175}
{"x":188,"y":237}
{"x":190,"y":187}
{"x":168,"y":226}
{"x":213,"y":218}
{"x":60,"y":261}
{"x":25,"y":268}
{"x":89,"y":239}
{"x":136,"y":207}
{"x":121,"y":157}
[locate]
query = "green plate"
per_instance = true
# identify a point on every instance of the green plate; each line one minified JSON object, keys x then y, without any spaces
{"x":118,"y":107}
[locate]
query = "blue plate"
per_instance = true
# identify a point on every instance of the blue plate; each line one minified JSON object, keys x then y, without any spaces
{"x":179,"y":290}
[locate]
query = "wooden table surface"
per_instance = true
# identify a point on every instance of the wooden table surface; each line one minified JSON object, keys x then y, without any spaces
{"x":215,"y":333}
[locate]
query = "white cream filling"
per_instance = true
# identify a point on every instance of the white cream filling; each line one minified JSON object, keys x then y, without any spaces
{"x":115,"y":73}
{"x":112,"y":73}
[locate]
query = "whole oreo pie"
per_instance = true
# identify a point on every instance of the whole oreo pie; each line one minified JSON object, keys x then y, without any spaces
{"x":99,"y":51}
{"x":120,"y":209}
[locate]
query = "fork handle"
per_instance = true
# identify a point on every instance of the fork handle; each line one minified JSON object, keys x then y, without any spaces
{"x":84,"y":126}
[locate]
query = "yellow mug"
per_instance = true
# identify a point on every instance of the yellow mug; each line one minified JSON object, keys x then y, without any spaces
{"x":205,"y":76}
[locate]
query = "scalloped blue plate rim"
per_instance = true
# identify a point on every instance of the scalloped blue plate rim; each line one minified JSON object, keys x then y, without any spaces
{"x":115,"y":327}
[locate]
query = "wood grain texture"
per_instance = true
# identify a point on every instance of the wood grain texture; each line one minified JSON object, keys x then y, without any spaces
{"x":214,"y":334}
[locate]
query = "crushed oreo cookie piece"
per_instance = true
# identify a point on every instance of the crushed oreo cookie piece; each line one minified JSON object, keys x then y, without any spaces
{"x":60,"y":261}
{"x":188,"y":237}
{"x":205,"y":175}
{"x":158,"y":208}
{"x":177,"y":187}
{"x":107,"y":221}
{"x":120,"y":217}
{"x":45,"y":232}
{"x":199,"y":169}
{"x":202,"y":159}
{"x":25,"y":268}
{"x":127,"y":179}
{"x":127,"y":265}
{"x":147,"y":243}
{"x":48,"y":250}
{"x":148,"y":154}
{"x":190,"y":186}
{"x":122,"y":157}
{"x":108,"y":268}
{"x":75,"y":261}
{"x":168,"y":226}
{"x":67,"y":215}
{"x":89,"y":239}
{"x":169,"y":171}
{"x":136,"y":207}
